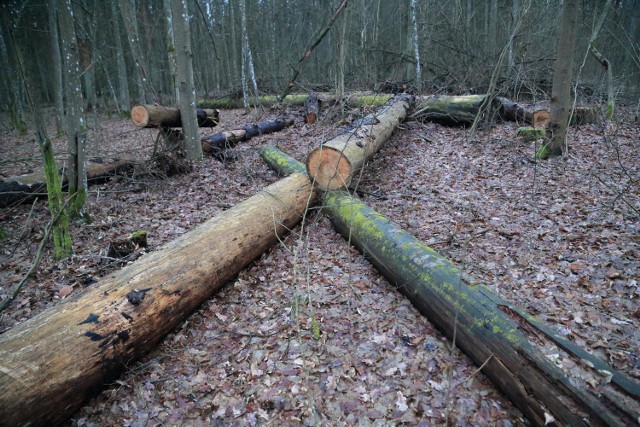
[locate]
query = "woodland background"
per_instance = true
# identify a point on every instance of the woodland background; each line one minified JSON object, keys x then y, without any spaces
{"x":124,"y":47}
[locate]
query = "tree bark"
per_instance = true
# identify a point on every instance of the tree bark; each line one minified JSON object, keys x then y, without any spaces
{"x":475,"y":321}
{"x":560,"y":105}
{"x":184,"y":78}
{"x":74,"y":109}
{"x":483,"y":325}
{"x":357,"y":99}
{"x":334,"y":164}
{"x":214,"y":144}
{"x":311,"y":108}
{"x":453,"y":110}
{"x":155,"y":116}
{"x":51,"y":364}
{"x":25,"y":188}
{"x":514,"y":112}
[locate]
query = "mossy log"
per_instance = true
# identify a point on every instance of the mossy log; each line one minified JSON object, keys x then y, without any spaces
{"x":25,"y":188}
{"x":218,"y":142}
{"x":530,"y":133}
{"x":156,"y":116}
{"x":357,"y":99}
{"x":452,"y":110}
{"x":584,"y":116}
{"x":334,"y":164}
{"x":488,"y":329}
{"x":54,"y":362}
{"x":515,"y":112}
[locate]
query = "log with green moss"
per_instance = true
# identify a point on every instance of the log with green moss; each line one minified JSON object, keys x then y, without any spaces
{"x":530,"y":133}
{"x":452,"y":110}
{"x":479,"y":320}
{"x":357,"y":99}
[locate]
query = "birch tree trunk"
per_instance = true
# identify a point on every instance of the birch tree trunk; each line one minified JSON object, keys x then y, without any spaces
{"x":416,"y":45}
{"x":184,"y":78}
{"x":247,"y":58}
{"x":75,"y":121}
{"x":560,"y":105}
{"x":127,"y":9}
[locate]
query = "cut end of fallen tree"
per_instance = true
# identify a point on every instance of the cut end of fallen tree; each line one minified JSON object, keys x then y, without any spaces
{"x":311,"y":108}
{"x":334,"y":164}
{"x":540,"y":118}
{"x":329,"y":168}
{"x":155,"y":116}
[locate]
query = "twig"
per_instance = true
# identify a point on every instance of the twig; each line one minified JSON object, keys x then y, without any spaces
{"x":36,"y":262}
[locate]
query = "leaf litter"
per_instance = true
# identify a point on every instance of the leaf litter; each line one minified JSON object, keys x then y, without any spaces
{"x":310,"y":333}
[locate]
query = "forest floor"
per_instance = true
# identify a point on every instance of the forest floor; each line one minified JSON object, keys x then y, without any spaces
{"x":558,"y":238}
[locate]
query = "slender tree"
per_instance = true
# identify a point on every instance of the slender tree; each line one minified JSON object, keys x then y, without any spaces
{"x":56,"y":60}
{"x":184,"y":78}
{"x":75,"y":120}
{"x":560,"y":106}
{"x":416,"y":45}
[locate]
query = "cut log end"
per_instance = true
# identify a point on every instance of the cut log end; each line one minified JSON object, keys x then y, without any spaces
{"x":140,"y":116}
{"x":328,"y":168}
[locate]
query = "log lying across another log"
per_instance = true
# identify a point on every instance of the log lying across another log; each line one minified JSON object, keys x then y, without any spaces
{"x":214,"y":144}
{"x":155,"y":116}
{"x":51,"y":364}
{"x":488,"y":329}
{"x":334,"y":164}
{"x":25,"y":188}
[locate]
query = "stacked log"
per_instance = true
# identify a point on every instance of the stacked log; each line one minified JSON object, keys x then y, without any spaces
{"x":156,"y":116}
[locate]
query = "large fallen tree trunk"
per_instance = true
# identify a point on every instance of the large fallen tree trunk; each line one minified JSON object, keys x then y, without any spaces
{"x":334,"y":164}
{"x":156,"y":116}
{"x":214,"y":144}
{"x":480,"y":322}
{"x":51,"y":364}
{"x":357,"y":99}
{"x":25,"y":188}
{"x":452,"y":110}
{"x":462,"y":110}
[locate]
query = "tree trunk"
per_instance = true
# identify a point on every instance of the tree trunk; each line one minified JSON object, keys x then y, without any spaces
{"x":453,"y":110}
{"x":155,"y":116}
{"x":416,"y":45}
{"x":356,"y":99}
{"x":475,"y":321}
{"x":24,"y":188}
{"x":514,"y":112}
{"x":184,"y":79}
{"x":218,"y":142}
{"x":124,"y":100}
{"x":475,"y":318}
{"x":74,"y":109}
{"x":311,"y":108}
{"x":560,"y":105}
{"x":611,"y":100}
{"x":334,"y":164}
{"x":55,"y":361}
{"x":56,"y":58}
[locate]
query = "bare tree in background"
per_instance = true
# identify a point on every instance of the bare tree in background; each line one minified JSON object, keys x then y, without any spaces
{"x":184,"y":78}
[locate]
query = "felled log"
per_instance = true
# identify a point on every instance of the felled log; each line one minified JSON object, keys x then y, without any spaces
{"x":156,"y":116}
{"x":333,"y":164}
{"x":311,"y":108}
{"x":51,"y":364}
{"x":478,"y":324}
{"x":479,"y":320}
{"x":584,"y":116}
{"x":515,"y":112}
{"x":356,"y":99}
{"x":452,"y":110}
{"x":218,"y":142}
{"x":530,"y":133}
{"x":25,"y":188}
